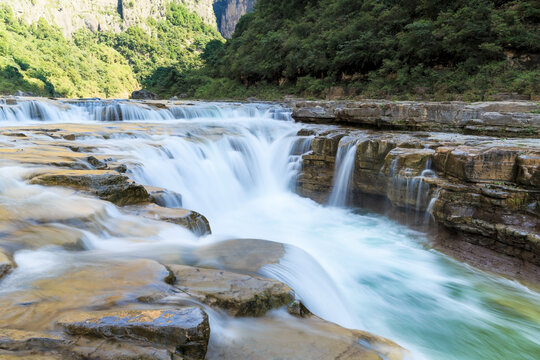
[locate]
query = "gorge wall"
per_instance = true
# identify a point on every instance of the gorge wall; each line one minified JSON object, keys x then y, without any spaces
{"x":118,"y":15}
{"x":483,"y":189}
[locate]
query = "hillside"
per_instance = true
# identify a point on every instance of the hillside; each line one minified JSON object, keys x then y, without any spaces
{"x":119,"y":15}
{"x":120,"y":55}
{"x":470,"y":50}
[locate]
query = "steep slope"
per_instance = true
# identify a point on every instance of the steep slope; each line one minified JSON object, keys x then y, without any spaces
{"x":229,"y":12}
{"x":38,"y":57}
{"x":118,"y":15}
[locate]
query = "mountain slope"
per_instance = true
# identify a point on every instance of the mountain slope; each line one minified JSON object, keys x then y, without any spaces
{"x":38,"y":57}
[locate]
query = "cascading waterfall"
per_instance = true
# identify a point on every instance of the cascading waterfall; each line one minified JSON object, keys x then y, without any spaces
{"x":343,"y":171}
{"x":19,"y":110}
{"x":236,"y":164}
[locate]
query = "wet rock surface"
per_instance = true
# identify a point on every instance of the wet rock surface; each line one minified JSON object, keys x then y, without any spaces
{"x":505,"y":118}
{"x":238,"y":294}
{"x":191,"y":220}
{"x":184,"y":330}
{"x":280,"y":337}
{"x":107,"y":185}
{"x":482,"y":188}
{"x":239,"y":255}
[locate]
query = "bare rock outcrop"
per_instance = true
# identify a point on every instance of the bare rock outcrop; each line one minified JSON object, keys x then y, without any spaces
{"x":507,"y":119}
{"x":483,"y":189}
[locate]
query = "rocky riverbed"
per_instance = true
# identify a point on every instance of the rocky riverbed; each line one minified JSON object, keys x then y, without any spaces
{"x":134,"y":230}
{"x":140,"y":308}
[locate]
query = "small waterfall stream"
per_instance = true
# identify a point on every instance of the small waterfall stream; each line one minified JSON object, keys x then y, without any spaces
{"x":237,"y":165}
{"x":343,"y":172}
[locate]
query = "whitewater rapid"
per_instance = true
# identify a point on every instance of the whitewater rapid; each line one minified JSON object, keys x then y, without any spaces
{"x":237,"y":164}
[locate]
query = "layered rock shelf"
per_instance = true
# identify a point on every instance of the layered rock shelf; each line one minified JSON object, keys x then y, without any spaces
{"x":484,"y":190}
{"x":507,"y":119}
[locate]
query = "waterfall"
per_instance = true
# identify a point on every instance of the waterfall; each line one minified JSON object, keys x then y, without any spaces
{"x":237,"y":164}
{"x":343,"y":172}
{"x":22,"y":110}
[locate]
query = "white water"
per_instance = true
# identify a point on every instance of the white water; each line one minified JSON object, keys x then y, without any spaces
{"x":361,"y":271}
{"x":344,"y":170}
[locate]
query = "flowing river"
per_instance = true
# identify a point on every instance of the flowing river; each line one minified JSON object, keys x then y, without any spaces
{"x":237,"y":165}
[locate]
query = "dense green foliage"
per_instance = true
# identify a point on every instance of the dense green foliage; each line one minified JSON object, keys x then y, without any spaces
{"x":38,"y":58}
{"x":440,"y":49}
{"x":377,"y":48}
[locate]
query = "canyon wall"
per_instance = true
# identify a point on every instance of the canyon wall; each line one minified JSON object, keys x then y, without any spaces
{"x":485,"y":190}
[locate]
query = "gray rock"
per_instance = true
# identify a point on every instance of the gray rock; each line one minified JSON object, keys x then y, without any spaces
{"x":191,"y":220}
{"x":106,"y":184}
{"x":240,"y":295}
{"x":184,"y":329}
{"x":144,"y":95}
{"x":241,"y":255}
{"x":24,"y":94}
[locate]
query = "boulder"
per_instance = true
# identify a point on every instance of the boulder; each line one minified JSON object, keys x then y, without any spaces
{"x":144,"y":95}
{"x":106,"y":184}
{"x":191,"y":220}
{"x":186,"y":330}
{"x":6,"y":264}
{"x":240,"y":295}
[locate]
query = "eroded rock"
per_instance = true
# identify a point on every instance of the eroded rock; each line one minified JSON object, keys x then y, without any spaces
{"x":240,"y":295}
{"x":186,"y":330}
{"x":485,"y":189}
{"x":191,"y":220}
{"x":107,"y":185}
{"x":507,"y":119}
{"x":288,"y":337}
{"x":241,"y":255}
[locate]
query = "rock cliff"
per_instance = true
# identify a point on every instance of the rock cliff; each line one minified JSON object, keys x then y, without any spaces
{"x":485,"y":190}
{"x":228,"y":12}
{"x":117,"y":15}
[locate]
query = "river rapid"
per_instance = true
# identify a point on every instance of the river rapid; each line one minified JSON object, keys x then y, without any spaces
{"x":237,"y":164}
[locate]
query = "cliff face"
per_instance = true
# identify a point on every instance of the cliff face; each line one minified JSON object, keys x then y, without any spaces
{"x":117,"y":15}
{"x":228,"y":12}
{"x":484,"y":190}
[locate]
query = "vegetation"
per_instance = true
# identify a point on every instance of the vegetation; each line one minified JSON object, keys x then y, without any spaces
{"x":39,"y":59}
{"x":465,"y":49}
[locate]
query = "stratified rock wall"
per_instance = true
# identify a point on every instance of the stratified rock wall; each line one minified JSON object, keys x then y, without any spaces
{"x":485,"y":189}
{"x":507,"y":119}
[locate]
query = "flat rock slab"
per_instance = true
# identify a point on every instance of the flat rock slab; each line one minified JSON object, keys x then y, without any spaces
{"x":185,"y":329}
{"x":240,"y":295}
{"x":284,"y":337}
{"x":36,"y":236}
{"x":39,"y":304}
{"x":11,"y":339}
{"x":106,"y":184}
{"x":244,"y":255}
